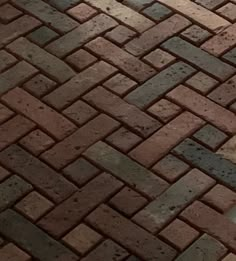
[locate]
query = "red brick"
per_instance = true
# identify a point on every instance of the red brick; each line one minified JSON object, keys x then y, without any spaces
{"x":8,"y":13}
{"x":82,"y":12}
{"x":67,"y":150}
{"x":120,"y":58}
{"x":7,"y":60}
{"x":8,"y":133}
{"x":129,"y":114}
{"x":157,"y":34}
{"x":5,"y":113}
{"x":220,"y":197}
{"x":211,"y":222}
{"x":179,"y":234}
{"x":37,"y":142}
{"x":123,"y":14}
{"x":198,"y":104}
{"x":44,"y":116}
{"x":10,"y":252}
{"x":162,"y":141}
{"x":120,"y":34}
{"x":228,"y":11}
{"x":75,"y":208}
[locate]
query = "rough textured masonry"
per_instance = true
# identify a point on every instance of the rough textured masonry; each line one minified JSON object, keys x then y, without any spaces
{"x":117,"y":130}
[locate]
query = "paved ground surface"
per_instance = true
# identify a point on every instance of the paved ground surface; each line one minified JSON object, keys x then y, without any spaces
{"x":117,"y":135}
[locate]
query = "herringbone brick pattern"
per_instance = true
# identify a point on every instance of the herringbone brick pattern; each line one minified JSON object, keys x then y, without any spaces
{"x":117,"y":130}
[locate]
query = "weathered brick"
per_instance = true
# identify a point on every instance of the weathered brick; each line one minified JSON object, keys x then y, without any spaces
{"x":206,"y":247}
{"x":202,"y":216}
{"x":210,"y":4}
{"x":166,"y":80}
{"x":10,"y":252}
{"x":43,"y":60}
{"x":227,"y":150}
{"x":75,"y":208}
{"x":126,"y":169}
{"x":54,"y":185}
{"x":79,"y":36}
{"x":203,"y":107}
{"x":196,"y":34}
{"x":157,"y":34}
{"x":63,"y":5}
{"x":157,"y":11}
{"x":213,"y":164}
{"x":44,"y":116}
{"x":228,"y":11}
{"x":8,"y":13}
{"x":130,"y":115}
{"x":7,"y":60}
{"x":120,"y":34}
{"x":199,"y":14}
{"x":8,"y":133}
{"x":5,"y":113}
{"x":123,"y":60}
{"x":199,"y":58}
{"x":162,"y":141}
{"x":67,"y":150}
{"x":137,"y":5}
{"x":231,"y":56}
{"x":78,"y":85}
{"x":28,"y":236}
{"x":122,"y":13}
{"x":50,"y":16}
{"x":171,"y":202}
{"x":133,"y":237}
{"x":22,"y":71}
{"x":82,"y":12}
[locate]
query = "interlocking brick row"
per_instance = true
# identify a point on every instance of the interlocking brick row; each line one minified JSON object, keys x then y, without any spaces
{"x":117,"y":130}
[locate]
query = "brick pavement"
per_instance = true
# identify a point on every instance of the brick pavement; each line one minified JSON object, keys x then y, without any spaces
{"x":117,"y":130}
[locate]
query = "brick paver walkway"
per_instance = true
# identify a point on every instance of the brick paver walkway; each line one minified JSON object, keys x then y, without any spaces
{"x":117,"y":130}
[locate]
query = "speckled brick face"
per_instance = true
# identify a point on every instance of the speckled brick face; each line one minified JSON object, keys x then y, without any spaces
{"x":117,"y":130}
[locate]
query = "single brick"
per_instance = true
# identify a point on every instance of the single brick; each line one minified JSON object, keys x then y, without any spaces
{"x":210,"y":136}
{"x":70,"y":148}
{"x":42,"y":36}
{"x":199,"y":58}
{"x":5,"y":114}
{"x":120,"y":34}
{"x":231,"y":56}
{"x":171,"y":202}
{"x":225,"y":93}
{"x":82,"y":238}
{"x":36,"y":142}
{"x":34,"y":205}
{"x":11,"y":190}
{"x":159,"y":58}
{"x":50,"y":120}
{"x":81,"y":59}
{"x":228,"y":11}
{"x":202,"y":83}
{"x":137,"y":4}
{"x":29,"y":237}
{"x":213,"y":164}
{"x":205,"y":247}
{"x":111,"y":223}
{"x":203,"y":107}
{"x":199,"y":14}
{"x":164,"y":110}
{"x":202,"y":217}
{"x":14,"y":129}
{"x":54,"y":185}
{"x":122,"y":59}
{"x":107,"y":250}
{"x":127,"y":113}
{"x":50,"y":16}
{"x":157,"y":11}
{"x":81,"y":35}
{"x":179,"y":234}
{"x":80,"y":112}
{"x":7,"y":60}
{"x":196,"y":34}
{"x":22,"y":72}
{"x":127,"y":170}
{"x":120,"y":84}
{"x":128,"y":201}
{"x":80,"y":171}
{"x":8,"y":13}
{"x":82,"y":12}
{"x":220,"y":197}
{"x":74,"y":209}
{"x":125,"y":15}
{"x":175,"y":131}
{"x":39,"y":85}
{"x":41,"y":59}
{"x":210,"y":4}
{"x":17,"y":28}
{"x":166,"y":80}
{"x":227,"y":151}
{"x":221,"y":42}
{"x":123,"y":139}
{"x":157,"y":34}
{"x":78,"y":85}
{"x":170,"y":168}
{"x":11,"y":252}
